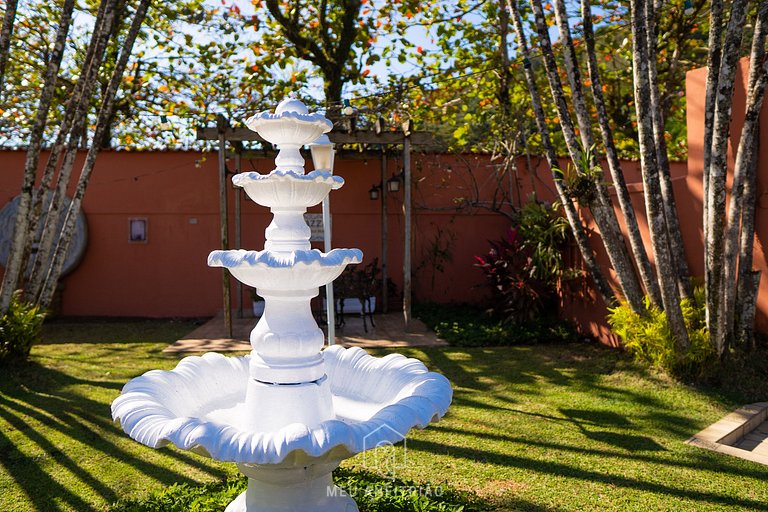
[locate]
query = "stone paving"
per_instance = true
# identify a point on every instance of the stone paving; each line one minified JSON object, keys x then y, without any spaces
{"x":742,"y":433}
{"x":389,"y":332}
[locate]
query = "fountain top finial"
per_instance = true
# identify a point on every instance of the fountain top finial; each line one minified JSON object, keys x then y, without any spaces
{"x":291,"y":104}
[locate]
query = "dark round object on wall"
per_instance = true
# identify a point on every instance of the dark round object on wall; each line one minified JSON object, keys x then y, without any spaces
{"x":76,"y":249}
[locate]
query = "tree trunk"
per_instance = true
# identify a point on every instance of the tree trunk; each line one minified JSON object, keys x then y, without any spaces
{"x":713,"y":69}
{"x":89,"y":76}
{"x":24,"y":230}
{"x":744,"y":169}
{"x":683,"y":275}
{"x":6,"y":31}
{"x":745,"y":293}
{"x":572,"y":215}
{"x":505,"y":73}
{"x":614,"y":166}
{"x":58,"y":147}
{"x":718,"y":169}
{"x":651,"y":188}
{"x":602,"y":210}
{"x":749,"y":288}
{"x":57,"y":262}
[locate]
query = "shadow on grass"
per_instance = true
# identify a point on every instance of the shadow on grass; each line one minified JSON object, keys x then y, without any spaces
{"x":117,"y":330}
{"x":58,"y":430}
{"x":560,"y":469}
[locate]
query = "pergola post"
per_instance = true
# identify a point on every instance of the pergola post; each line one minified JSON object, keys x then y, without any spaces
{"x":407,"y":128}
{"x":221,"y":126}
{"x":238,"y":240}
{"x":378,"y":128}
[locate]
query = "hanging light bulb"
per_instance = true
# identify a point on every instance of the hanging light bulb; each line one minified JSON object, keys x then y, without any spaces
{"x":164,"y":123}
{"x":688,"y":7}
{"x":348,"y":110}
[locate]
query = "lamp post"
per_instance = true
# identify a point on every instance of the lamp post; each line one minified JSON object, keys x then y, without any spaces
{"x":323,"y":155}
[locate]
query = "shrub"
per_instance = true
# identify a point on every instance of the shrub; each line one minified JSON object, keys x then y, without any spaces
{"x":649,"y":338}
{"x":470,"y":326}
{"x":19,"y":329}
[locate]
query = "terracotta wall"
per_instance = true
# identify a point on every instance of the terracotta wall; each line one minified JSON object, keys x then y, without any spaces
{"x":178,"y":195}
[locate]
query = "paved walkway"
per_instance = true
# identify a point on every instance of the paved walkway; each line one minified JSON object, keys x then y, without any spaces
{"x":389,"y":332}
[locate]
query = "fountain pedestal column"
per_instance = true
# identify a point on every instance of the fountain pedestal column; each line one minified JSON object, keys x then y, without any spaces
{"x":291,"y":490}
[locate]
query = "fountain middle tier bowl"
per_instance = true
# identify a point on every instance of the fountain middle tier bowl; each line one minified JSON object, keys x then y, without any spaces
{"x":287,"y":188}
{"x":297,"y":270}
{"x":200,"y":406}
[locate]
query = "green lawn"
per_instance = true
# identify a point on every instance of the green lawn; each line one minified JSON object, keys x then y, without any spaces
{"x":546,"y":427}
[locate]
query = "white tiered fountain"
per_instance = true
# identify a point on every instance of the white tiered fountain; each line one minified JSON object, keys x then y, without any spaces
{"x":289,"y":412}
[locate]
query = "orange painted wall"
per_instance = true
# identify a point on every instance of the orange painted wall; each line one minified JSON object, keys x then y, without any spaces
{"x":168,"y":275}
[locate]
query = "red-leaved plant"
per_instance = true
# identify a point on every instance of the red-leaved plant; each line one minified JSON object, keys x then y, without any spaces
{"x":508,"y":267}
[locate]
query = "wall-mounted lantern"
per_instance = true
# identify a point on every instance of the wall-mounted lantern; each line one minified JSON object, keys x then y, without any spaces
{"x":393,"y":183}
{"x":373,"y":192}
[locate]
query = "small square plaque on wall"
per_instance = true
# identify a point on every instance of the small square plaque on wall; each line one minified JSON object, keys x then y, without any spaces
{"x":137,"y":230}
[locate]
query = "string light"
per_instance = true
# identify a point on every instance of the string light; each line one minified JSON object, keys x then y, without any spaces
{"x":348,"y":110}
{"x":164,"y":123}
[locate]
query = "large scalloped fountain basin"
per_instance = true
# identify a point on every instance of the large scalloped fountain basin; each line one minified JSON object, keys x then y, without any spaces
{"x":298,"y":270}
{"x":199,"y":406}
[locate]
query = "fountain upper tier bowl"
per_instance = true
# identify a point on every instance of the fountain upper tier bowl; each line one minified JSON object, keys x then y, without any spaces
{"x":199,"y":406}
{"x":280,"y":188}
{"x":296,"y":270}
{"x":291,"y":123}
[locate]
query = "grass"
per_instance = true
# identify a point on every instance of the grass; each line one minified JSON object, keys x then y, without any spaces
{"x":541,"y":428}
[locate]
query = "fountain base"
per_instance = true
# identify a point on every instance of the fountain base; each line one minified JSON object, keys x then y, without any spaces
{"x":300,"y":489}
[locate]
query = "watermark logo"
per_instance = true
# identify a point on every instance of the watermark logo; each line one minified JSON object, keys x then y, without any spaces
{"x":382,"y":455}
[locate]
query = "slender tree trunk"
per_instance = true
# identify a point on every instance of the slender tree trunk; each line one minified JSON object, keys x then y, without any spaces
{"x":89,"y":75}
{"x":744,"y":172}
{"x":715,"y":191}
{"x":713,"y":70}
{"x":6,"y":31}
{"x":505,"y":73}
{"x":57,"y":262}
{"x":58,"y":147}
{"x":572,"y":215}
{"x":667,"y":193}
{"x":746,"y":294}
{"x":651,"y":188}
{"x":614,"y":166}
{"x":602,"y":210}
{"x":574,"y":78}
{"x":24,"y":231}
{"x":748,"y":280}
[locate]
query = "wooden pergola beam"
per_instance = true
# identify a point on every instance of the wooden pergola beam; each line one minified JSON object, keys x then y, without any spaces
{"x":357,"y":137}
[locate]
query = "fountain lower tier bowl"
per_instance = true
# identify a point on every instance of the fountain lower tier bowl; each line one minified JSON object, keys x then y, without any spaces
{"x":297,"y":270}
{"x":200,"y":406}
